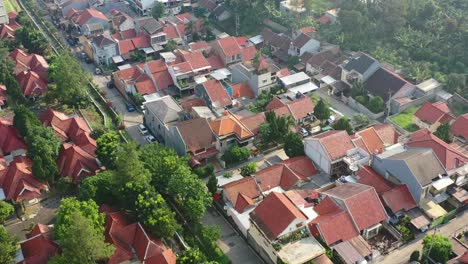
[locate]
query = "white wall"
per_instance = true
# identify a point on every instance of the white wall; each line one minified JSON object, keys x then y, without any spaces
{"x":315,"y":152}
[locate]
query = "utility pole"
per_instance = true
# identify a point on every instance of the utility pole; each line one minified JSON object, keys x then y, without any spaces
{"x":430,"y":248}
{"x":237,"y":24}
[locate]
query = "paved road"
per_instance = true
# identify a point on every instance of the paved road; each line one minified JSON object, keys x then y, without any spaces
{"x":231,"y":243}
{"x":336,"y":104}
{"x":402,"y":255}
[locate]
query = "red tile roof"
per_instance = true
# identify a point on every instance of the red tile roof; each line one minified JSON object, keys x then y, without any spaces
{"x":448,"y":156}
{"x":243,"y":202}
{"x":361,"y":202}
{"x":248,"y":53}
{"x":283,"y":73}
{"x":399,"y":198}
{"x":298,"y":108}
{"x":187,"y":104}
{"x":302,"y":166}
{"x":200,"y":46}
{"x":17,"y":180}
{"x":76,"y":163}
{"x":39,"y":248}
{"x":163,"y":80}
{"x":334,"y":227}
{"x":387,"y":133}
{"x":144,"y":85}
{"x":218,"y":94}
{"x":277,"y":175}
{"x":372,"y":141}
{"x":242,"y":41}
{"x":336,"y":143}
{"x":197,"y":61}
{"x":196,"y":134}
{"x":242,"y":90}
{"x":228,"y":125}
{"x":215,"y":62}
{"x":460,"y":127}
{"x":82,"y":17}
{"x":435,"y":112}
{"x":368,"y":176}
{"x":229,"y":46}
{"x":253,"y":122}
{"x":9,"y":138}
{"x":245,"y":186}
{"x":274,"y":214}
{"x":31,"y":83}
{"x":7,"y":32}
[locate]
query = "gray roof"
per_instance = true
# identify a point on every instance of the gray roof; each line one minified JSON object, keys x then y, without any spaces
{"x":149,"y":24}
{"x":422,"y":162}
{"x":360,"y":64}
{"x":165,"y":109}
{"x":103,"y":40}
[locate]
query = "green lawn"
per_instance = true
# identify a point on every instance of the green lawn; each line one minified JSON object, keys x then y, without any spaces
{"x":405,"y":119}
{"x":11,"y":5}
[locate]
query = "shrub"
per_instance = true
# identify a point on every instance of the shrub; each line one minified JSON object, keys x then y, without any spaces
{"x":236,"y":154}
{"x":414,"y":256}
{"x":248,"y":169}
{"x":228,"y":174}
{"x":361,"y":99}
{"x":406,"y":233}
{"x":376,"y":104}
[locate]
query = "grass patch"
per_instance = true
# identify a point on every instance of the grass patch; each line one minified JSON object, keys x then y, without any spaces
{"x":405,"y":119}
{"x":11,"y":5}
{"x":94,"y":118}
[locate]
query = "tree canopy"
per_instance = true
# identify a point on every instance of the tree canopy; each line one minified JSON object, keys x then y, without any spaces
{"x":293,"y":145}
{"x":107,"y":146}
{"x":437,"y":247}
{"x":100,"y":188}
{"x":443,"y":132}
{"x":6,"y":210}
{"x":322,"y":111}
{"x":248,"y":169}
{"x":158,"y":10}
{"x":8,"y":246}
{"x":343,"y":124}
{"x":129,"y":167}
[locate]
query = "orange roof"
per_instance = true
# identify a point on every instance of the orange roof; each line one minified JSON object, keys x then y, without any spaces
{"x":76,"y":163}
{"x":245,"y":186}
{"x":373,"y":143}
{"x":218,"y":94}
{"x":242,"y":90}
{"x":31,"y":83}
{"x":228,"y":125}
{"x":435,"y":112}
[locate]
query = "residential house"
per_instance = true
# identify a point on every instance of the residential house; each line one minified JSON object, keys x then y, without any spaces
{"x":3,"y":13}
{"x":202,"y":46}
{"x":369,"y":140}
{"x":221,"y":13}
{"x":7,"y":31}
{"x":77,"y":158}
{"x":293,"y":8}
{"x":324,"y":62}
{"x":432,"y":115}
{"x":31,"y":72}
{"x":302,"y":44}
{"x":328,"y":149}
{"x":253,"y":122}
{"x":161,"y":114}
{"x":418,"y":168}
{"x":104,"y":48}
{"x":11,"y":144}
{"x":215,"y":95}
{"x":301,"y":108}
{"x":459,"y":128}
{"x":229,"y":131}
{"x":31,"y":84}
{"x":298,"y":83}
{"x":310,"y":30}
{"x":147,"y":25}
{"x":277,"y":218}
{"x":88,"y":21}
{"x":234,"y":49}
{"x":39,"y":246}
{"x":138,"y":43}
{"x":278,"y":44}
{"x":3,"y":96}
{"x":195,"y":138}
{"x":132,"y":242}
{"x":77,"y":5}
{"x":259,"y":77}
{"x":121,"y":21}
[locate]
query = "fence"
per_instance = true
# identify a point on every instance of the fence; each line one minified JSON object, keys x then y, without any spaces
{"x":396,"y":126}
{"x":396,"y":109}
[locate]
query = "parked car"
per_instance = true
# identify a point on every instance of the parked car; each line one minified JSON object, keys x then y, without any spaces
{"x":303,"y":132}
{"x":143,"y":129}
{"x":130,"y":107}
{"x":97,"y":71}
{"x":150,"y":139}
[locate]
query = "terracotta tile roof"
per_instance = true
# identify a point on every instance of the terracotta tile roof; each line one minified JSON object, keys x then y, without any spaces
{"x":334,"y":227}
{"x":274,"y":214}
{"x":31,"y":83}
{"x":253,"y":122}
{"x":228,"y":125}
{"x":447,"y":155}
{"x":367,"y":176}
{"x":242,"y":41}
{"x":215,"y":62}
{"x":229,"y":46}
{"x":199,"y":46}
{"x":373,"y":143}
{"x":248,"y":53}
{"x":387,"y":133}
{"x":144,"y":85}
{"x":301,"y":108}
{"x":278,"y":175}
{"x":273,"y":104}
{"x":196,"y":134}
{"x":17,"y":181}
{"x":399,"y":198}
{"x":163,"y":80}
{"x":302,"y":166}
{"x":197,"y":61}
{"x":7,"y":32}
{"x":187,"y":104}
{"x":82,"y":17}
{"x":361,"y":202}
{"x":245,"y":186}
{"x":283,"y":73}
{"x":218,"y":94}
{"x":302,"y":197}
{"x":39,"y":249}
{"x":171,"y":32}
{"x":335,"y":142}
{"x":125,"y":46}
{"x":242,"y":90}
{"x":243,"y":202}
{"x":435,"y":112}
{"x":9,"y":138}
{"x":40,"y":229}
{"x":76,"y":163}
{"x":460,"y":127}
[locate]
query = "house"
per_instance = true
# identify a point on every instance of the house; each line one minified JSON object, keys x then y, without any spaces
{"x":450,"y":158}
{"x":221,"y":13}
{"x":11,"y":144}
{"x":29,"y":62}
{"x":432,"y":115}
{"x":88,"y":21}
{"x":161,"y":114}
{"x":134,"y":44}
{"x":229,"y":131}
{"x":355,"y":250}
{"x":319,"y":62}
{"x":300,"y":108}
{"x":459,"y":128}
{"x":77,"y":5}
{"x":3,"y":13}
{"x":259,"y":77}
{"x":17,"y":182}
{"x":418,"y":168}
{"x":121,"y":21}
{"x":328,"y":149}
{"x":369,"y":140}
{"x":302,"y":44}
{"x":231,"y":51}
{"x":278,"y":44}
{"x":214,"y":94}
{"x":293,"y":8}
{"x":194,"y":137}
{"x":132,"y":242}
{"x":39,"y":246}
{"x":77,"y":158}
{"x":298,"y":83}
{"x":31,"y":84}
{"x":202,"y":46}
{"x":104,"y":48}
{"x":147,"y":25}
{"x":253,"y":122}
{"x":387,"y":134}
{"x":359,"y":68}
{"x":7,"y":31}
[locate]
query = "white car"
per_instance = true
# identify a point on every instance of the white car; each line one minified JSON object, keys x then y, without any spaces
{"x":303,"y":132}
{"x":150,"y":139}
{"x":143,"y":129}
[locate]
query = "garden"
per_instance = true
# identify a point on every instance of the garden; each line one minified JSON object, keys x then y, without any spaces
{"x":405,"y":119}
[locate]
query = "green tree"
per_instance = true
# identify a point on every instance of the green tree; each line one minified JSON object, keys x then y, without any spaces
{"x":405,"y":232}
{"x":100,"y":188}
{"x":443,"y":132}
{"x":343,"y":124}
{"x":414,"y":256}
{"x":25,"y":120}
{"x":376,"y":104}
{"x":236,"y":154}
{"x":437,"y":247}
{"x":276,"y":127}
{"x":153,"y":212}
{"x":44,"y":148}
{"x":158,"y":10}
{"x":322,"y":111}
{"x":361,"y":120}
{"x":129,"y":167}
{"x":81,"y":242}
{"x":6,"y":210}
{"x":8,"y":246}
{"x":171,"y":46}
{"x":212,"y":184}
{"x":31,"y":39}
{"x":293,"y":145}
{"x":192,"y":256}
{"x":248,"y":169}
{"x":107,"y":147}
{"x":70,"y":79}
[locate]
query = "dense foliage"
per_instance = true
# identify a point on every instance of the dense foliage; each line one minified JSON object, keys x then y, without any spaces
{"x":437,"y":247}
{"x":275,"y":127}
{"x":8,"y":246}
{"x":29,"y":37}
{"x":343,"y":124}
{"x":322,"y":111}
{"x":107,"y":146}
{"x":293,"y":145}
{"x":236,"y":154}
{"x":443,"y":132}
{"x":248,"y":169}
{"x":6,"y":210}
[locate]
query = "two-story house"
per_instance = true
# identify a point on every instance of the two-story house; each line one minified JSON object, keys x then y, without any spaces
{"x":233,"y":49}
{"x":89,"y":21}
{"x":104,"y":48}
{"x":260,"y":77}
{"x":215,"y":95}
{"x":302,"y":44}
{"x":121,"y":21}
{"x":162,"y":114}
{"x":229,"y":131}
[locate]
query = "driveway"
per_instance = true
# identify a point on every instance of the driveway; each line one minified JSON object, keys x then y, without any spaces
{"x":338,"y":105}
{"x":231,"y":243}
{"x":402,"y":255}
